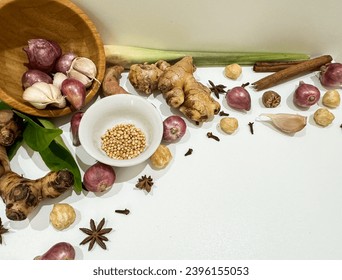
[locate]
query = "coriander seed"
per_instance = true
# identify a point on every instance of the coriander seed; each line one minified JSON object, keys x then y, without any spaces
{"x":123,"y":141}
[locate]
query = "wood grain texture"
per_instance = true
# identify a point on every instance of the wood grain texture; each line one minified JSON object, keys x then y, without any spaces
{"x":58,"y":20}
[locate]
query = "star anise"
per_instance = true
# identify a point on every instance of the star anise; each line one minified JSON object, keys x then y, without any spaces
{"x":217,"y":89}
{"x":96,"y":234}
{"x":145,"y":183}
{"x":2,"y":230}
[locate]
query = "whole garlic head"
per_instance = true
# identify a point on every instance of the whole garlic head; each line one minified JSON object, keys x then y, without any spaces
{"x":42,"y":94}
{"x":84,"y":70}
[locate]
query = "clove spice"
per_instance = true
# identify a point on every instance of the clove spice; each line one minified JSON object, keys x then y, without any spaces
{"x":125,"y":211}
{"x":222,"y":114}
{"x":251,"y":127}
{"x":211,"y":135}
{"x":189,"y":152}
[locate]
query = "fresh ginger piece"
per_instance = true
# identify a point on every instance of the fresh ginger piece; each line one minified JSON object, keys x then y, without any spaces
{"x":22,"y":195}
{"x":145,"y":77}
{"x":178,"y":85}
{"x":111,"y":81}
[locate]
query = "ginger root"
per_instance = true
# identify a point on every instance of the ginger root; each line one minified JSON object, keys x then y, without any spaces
{"x":178,"y":86}
{"x":10,"y":127}
{"x":22,"y":195}
{"x":110,"y":84}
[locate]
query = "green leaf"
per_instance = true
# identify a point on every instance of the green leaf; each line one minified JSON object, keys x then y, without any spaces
{"x":47,"y":124}
{"x":12,"y":150}
{"x":4,"y":106}
{"x":37,"y":137}
{"x":57,"y":157}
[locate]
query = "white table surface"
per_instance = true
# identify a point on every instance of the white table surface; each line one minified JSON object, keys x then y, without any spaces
{"x":262,"y":196}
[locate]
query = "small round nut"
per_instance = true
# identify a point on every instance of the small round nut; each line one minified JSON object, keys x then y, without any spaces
{"x":331,"y":98}
{"x":161,"y":157}
{"x":229,"y":124}
{"x":323,"y":117}
{"x":62,"y":216}
{"x":271,"y":99}
{"x":233,"y":71}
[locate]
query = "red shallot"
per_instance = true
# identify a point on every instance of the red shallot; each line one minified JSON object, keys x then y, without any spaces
{"x":59,"y":251}
{"x":32,"y":76}
{"x":306,"y":95}
{"x":331,"y":75}
{"x":99,"y":177}
{"x":75,"y":123}
{"x":63,"y":64}
{"x":239,"y":98}
{"x":42,"y":54}
{"x":75,"y":92}
{"x":174,"y":128}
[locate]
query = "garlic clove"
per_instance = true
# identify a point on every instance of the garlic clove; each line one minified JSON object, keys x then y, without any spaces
{"x":85,"y":66}
{"x":81,"y":77}
{"x":58,"y":79}
{"x":84,"y":70}
{"x":288,"y":123}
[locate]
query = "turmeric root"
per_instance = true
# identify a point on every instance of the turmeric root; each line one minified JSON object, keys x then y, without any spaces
{"x":110,"y":84}
{"x":178,"y":86}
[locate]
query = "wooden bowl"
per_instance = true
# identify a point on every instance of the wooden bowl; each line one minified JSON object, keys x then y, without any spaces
{"x":58,"y":20}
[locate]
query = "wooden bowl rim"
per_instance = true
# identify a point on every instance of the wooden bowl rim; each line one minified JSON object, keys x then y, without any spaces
{"x":55,"y":112}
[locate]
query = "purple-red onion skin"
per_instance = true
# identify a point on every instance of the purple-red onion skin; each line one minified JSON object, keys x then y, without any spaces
{"x":239,"y":98}
{"x":59,"y":251}
{"x":75,"y":92}
{"x":331,"y":75}
{"x":42,"y":54}
{"x":306,"y":95}
{"x":75,"y":123}
{"x":174,"y":128}
{"x":63,"y":63}
{"x":32,"y":76}
{"x":99,"y":177}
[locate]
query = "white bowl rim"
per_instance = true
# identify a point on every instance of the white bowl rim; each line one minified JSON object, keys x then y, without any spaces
{"x":116,"y":162}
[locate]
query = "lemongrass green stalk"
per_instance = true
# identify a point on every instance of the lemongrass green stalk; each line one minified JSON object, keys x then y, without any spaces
{"x":128,"y":55}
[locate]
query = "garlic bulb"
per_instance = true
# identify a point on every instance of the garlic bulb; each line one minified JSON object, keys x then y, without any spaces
{"x":42,"y":94}
{"x":288,"y":123}
{"x":83,"y":69}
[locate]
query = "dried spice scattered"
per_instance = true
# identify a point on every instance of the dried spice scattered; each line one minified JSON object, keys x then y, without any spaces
{"x":292,"y":71}
{"x":145,"y":183}
{"x":271,"y":99}
{"x":217,"y":89}
{"x":2,"y":230}
{"x":251,"y":127}
{"x":96,"y":234}
{"x":223,"y":114}
{"x":125,"y":211}
{"x":211,"y":135}
{"x":189,"y":152}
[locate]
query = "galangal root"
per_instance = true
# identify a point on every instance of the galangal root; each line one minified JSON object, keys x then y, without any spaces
{"x":22,"y":195}
{"x":110,"y":84}
{"x":178,"y":86}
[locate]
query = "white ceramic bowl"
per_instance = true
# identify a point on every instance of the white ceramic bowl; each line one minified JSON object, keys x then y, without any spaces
{"x":120,"y":109}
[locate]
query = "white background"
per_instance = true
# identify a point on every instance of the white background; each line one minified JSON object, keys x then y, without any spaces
{"x":261,"y":196}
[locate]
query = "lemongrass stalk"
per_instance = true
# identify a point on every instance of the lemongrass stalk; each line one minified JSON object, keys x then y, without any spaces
{"x":128,"y":55}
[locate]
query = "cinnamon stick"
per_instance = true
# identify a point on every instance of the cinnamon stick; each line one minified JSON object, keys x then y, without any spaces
{"x":273,"y":66}
{"x":292,"y":71}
